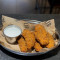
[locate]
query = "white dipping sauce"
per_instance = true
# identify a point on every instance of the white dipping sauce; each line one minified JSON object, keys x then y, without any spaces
{"x":12,"y":31}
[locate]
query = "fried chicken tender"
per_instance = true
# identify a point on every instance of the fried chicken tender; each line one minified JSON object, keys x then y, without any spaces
{"x":22,"y":45}
{"x":41,"y":34}
{"x":37,"y":47}
{"x":29,"y":38}
{"x":51,"y":41}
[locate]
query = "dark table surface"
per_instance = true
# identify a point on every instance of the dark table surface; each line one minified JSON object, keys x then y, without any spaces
{"x":53,"y":55}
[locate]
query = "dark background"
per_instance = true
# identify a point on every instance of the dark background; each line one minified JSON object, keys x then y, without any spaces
{"x":34,"y":7}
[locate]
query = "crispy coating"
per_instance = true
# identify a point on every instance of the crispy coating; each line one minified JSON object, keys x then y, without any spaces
{"x":44,"y":41}
{"x":41,"y":34}
{"x":51,"y":41}
{"x":22,"y":45}
{"x":37,"y":47}
{"x":29,"y":38}
{"x":39,"y":28}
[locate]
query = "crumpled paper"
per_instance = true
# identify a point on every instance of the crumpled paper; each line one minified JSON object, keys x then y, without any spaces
{"x":49,"y":26}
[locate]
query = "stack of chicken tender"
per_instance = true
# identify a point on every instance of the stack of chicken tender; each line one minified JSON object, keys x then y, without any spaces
{"x":37,"y":39}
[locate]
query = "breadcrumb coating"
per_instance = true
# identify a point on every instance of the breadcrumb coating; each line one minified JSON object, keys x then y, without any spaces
{"x":37,"y":47}
{"x":29,"y":38}
{"x":41,"y":34}
{"x":39,"y":39}
{"x":51,"y":41}
{"x":22,"y":45}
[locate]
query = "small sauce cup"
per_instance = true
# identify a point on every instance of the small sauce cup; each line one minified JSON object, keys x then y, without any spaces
{"x":11,"y":33}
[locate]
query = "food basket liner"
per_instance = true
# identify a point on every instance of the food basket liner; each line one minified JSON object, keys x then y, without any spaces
{"x":49,"y":26}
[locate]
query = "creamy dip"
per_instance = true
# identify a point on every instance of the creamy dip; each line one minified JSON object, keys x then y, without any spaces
{"x":12,"y":31}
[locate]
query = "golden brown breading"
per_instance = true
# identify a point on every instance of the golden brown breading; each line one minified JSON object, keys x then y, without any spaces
{"x":22,"y":45}
{"x":37,"y":46}
{"x":51,"y":44}
{"x":41,"y":34}
{"x":39,"y":28}
{"x":29,"y":38}
{"x":44,"y":41}
{"x":51,"y":41}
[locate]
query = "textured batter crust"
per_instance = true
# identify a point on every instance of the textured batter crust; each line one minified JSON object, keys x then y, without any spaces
{"x":51,"y":41}
{"x":37,"y":47}
{"x":41,"y":34}
{"x":22,"y":45}
{"x":29,"y":38}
